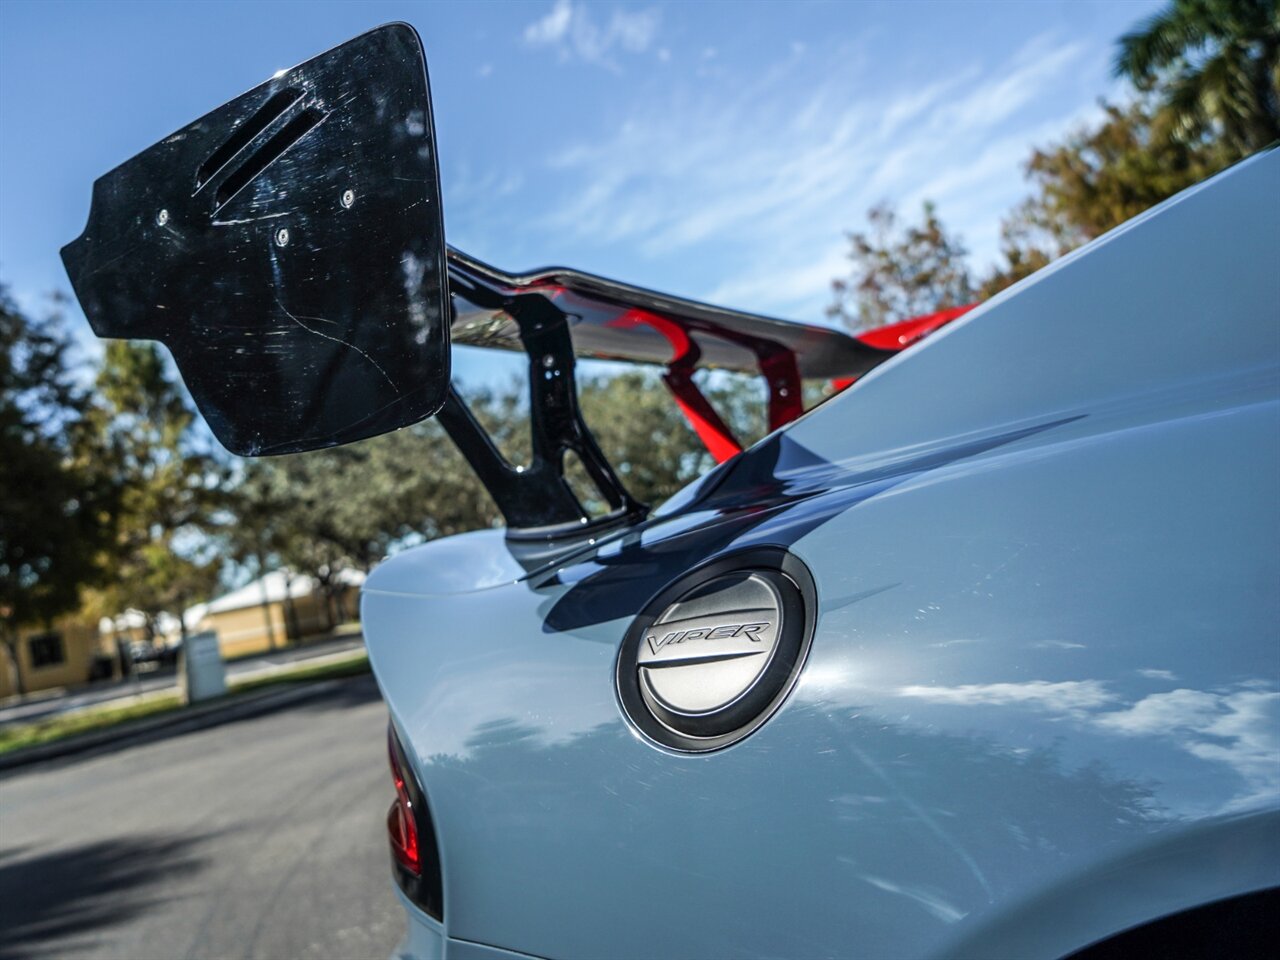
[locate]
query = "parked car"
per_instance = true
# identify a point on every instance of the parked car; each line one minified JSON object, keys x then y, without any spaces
{"x":977,"y":659}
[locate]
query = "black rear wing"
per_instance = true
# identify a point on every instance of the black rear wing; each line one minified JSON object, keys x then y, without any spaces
{"x":289,"y":249}
{"x":610,"y":320}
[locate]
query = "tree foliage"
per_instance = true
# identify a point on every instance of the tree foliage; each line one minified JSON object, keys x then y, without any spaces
{"x":1214,"y":69}
{"x":643,"y":434}
{"x":56,"y":504}
{"x":325,"y":511}
{"x":172,"y":486}
{"x":342,"y":508}
{"x":1094,"y":180}
{"x":900,"y":271}
{"x":347,"y":507}
{"x":1207,"y":76}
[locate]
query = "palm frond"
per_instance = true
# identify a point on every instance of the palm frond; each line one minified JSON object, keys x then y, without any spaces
{"x":1153,"y":45}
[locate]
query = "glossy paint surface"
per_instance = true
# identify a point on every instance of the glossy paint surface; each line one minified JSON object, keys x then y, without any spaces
{"x":1042,"y":702}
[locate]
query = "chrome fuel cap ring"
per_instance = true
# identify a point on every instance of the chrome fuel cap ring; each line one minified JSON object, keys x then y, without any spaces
{"x":715,"y":653}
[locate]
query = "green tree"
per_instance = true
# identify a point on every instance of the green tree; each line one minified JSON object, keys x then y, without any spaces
{"x":340,"y":508}
{"x":1027,"y":243}
{"x":56,"y":503}
{"x":1098,"y":177}
{"x":643,"y":435}
{"x":173,"y":488}
{"x":1214,"y":65}
{"x":900,"y":272}
{"x":256,"y":538}
{"x":1208,"y":79}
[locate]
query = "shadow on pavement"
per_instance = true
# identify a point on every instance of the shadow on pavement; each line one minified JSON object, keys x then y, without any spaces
{"x":78,"y":892}
{"x":355,"y":692}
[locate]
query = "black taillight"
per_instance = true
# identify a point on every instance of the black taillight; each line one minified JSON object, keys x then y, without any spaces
{"x":415,"y":858}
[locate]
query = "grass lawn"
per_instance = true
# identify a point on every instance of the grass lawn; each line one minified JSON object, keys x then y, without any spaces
{"x":19,"y":735}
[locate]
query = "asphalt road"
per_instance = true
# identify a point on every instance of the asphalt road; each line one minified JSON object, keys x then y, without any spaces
{"x":263,"y":837}
{"x":39,"y":706}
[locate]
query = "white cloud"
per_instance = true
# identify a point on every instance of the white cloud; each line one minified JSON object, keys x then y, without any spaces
{"x":570,"y":28}
{"x":1158,"y":674}
{"x":1068,"y":696}
{"x":1240,"y":729}
{"x":766,"y":287}
{"x":774,"y":170}
{"x":1037,"y":63}
{"x":634,"y":31}
{"x":553,"y":27}
{"x":473,"y":199}
{"x":1163,"y":712}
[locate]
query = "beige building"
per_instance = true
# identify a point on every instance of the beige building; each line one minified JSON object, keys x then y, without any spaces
{"x":273,"y":611}
{"x":132,"y":628}
{"x":60,"y":655}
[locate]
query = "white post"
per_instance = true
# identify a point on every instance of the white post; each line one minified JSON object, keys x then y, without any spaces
{"x":203,"y":673}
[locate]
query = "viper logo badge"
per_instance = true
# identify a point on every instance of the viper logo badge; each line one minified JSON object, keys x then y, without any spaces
{"x":728,"y":630}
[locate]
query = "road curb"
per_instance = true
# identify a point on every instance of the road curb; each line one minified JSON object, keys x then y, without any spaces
{"x":134,"y":732}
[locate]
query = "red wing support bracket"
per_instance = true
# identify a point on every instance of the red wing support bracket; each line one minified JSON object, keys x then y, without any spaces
{"x":537,"y":501}
{"x":780,"y":371}
{"x":711,"y":430}
{"x":781,"y":375}
{"x":777,"y":365}
{"x":685,"y":354}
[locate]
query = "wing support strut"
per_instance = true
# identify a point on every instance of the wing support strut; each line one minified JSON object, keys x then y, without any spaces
{"x":536,"y":500}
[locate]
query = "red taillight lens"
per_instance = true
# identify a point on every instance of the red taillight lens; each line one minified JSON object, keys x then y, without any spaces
{"x":414,"y":851}
{"x":401,"y":825}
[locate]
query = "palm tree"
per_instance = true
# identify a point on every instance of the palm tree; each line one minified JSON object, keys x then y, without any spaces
{"x":1215,"y":65}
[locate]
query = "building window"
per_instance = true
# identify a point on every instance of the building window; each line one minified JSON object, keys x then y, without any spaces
{"x":46,"y":650}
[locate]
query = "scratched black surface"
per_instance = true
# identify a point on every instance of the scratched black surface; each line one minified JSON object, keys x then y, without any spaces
{"x":288,"y":249}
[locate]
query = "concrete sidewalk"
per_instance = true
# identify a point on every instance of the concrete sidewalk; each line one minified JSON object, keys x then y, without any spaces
{"x":234,"y":706}
{"x":48,"y":703}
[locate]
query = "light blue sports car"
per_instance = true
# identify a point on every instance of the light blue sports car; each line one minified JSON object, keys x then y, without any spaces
{"x":980,"y":658}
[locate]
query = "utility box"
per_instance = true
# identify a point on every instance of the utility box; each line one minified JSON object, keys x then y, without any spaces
{"x":203,"y":673}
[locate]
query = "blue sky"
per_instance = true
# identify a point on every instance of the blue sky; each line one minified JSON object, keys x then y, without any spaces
{"x":713,"y":150}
